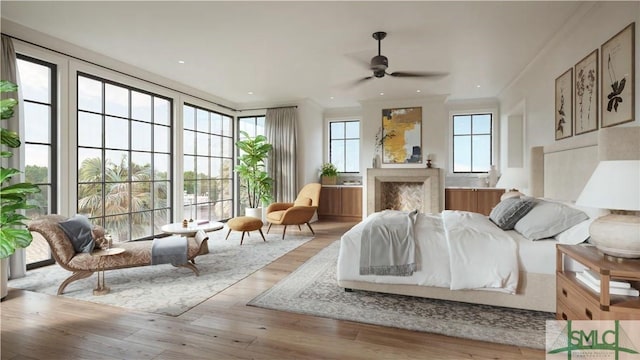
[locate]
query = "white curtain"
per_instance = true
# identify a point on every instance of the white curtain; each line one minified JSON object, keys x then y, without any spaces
{"x":281,"y":129}
{"x":17,"y":262}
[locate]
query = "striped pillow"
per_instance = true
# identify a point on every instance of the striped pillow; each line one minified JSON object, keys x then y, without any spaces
{"x":508,"y":211}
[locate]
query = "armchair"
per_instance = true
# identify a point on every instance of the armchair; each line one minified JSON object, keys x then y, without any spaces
{"x":298,"y":212}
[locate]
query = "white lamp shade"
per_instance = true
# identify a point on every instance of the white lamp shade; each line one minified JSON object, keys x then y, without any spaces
{"x":613,"y":185}
{"x":513,"y":178}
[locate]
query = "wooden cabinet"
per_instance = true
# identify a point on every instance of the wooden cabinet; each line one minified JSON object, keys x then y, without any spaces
{"x":576,"y":301}
{"x":342,"y":203}
{"x":479,"y":200}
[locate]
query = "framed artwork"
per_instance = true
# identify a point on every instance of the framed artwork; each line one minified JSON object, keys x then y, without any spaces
{"x":618,"y":98}
{"x":564,"y":105}
{"x":403,"y":130}
{"x":585,"y":106}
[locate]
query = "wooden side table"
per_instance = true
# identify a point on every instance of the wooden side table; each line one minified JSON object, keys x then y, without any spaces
{"x":101,"y":288}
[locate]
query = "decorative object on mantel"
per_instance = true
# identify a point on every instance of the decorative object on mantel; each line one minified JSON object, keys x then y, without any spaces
{"x":381,"y":137}
{"x":329,"y":174}
{"x":514,"y":180}
{"x":614,"y":185}
{"x":405,"y":147}
{"x":429,"y":159}
{"x":564,"y":105}
{"x":586,"y":102}
{"x":617,"y":69}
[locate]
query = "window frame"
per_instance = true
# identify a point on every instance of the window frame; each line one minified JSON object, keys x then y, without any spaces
{"x":492,"y":137}
{"x":344,"y":139}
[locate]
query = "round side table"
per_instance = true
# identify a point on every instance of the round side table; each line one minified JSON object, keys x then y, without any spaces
{"x":101,"y":288}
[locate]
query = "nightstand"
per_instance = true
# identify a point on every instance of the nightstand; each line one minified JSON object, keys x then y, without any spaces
{"x":575,"y":301}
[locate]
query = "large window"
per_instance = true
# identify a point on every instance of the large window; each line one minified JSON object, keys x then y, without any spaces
{"x":124,"y":158}
{"x":252,"y":125}
{"x":39,"y":91}
{"x":208,"y":164}
{"x":472,"y":134}
{"x":344,"y":145}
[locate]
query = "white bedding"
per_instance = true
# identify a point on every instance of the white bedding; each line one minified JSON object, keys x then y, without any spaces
{"x":493,"y":269}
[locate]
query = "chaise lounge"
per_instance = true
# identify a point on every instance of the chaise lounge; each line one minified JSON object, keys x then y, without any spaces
{"x":83,"y":264}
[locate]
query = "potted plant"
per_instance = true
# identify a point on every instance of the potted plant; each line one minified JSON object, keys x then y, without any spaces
{"x":252,"y":171}
{"x":328,"y":174}
{"x":13,"y":195}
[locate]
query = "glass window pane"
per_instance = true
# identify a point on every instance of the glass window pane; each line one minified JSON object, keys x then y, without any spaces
{"x":89,"y":94}
{"x":37,"y":163}
{"x":189,"y":116}
{"x":352,"y":129}
{"x":216,"y":123}
{"x":337,"y":154}
{"x":37,"y":120}
{"x":227,"y":126}
{"x":90,"y":199}
{"x":140,"y":106}
{"x":40,"y":201}
{"x":482,"y":124}
{"x":461,"y":153}
{"x":161,"y":139}
{"x":141,"y":165}
{"x":161,"y":195}
{"x":140,"y":196}
{"x":116,"y":100}
{"x":118,"y":227}
{"x":216,"y":145}
{"x":161,"y":217}
{"x":141,"y":224}
{"x":352,"y":152}
{"x":202,"y":167}
{"x":189,"y":142}
{"x":461,"y":124}
{"x":227,"y":169}
{"x":202,"y":143}
{"x":140,"y":136}
{"x":161,"y":164}
{"x":337,"y":130}
{"x":116,"y":165}
{"x":216,"y":164}
{"x":116,"y":133}
{"x":34,"y":81}
{"x":260,"y":126}
{"x":189,"y":165}
{"x":247,"y":125}
{"x":189,"y":191}
{"x":481,"y":153}
{"x":202,"y":120}
{"x":161,"y":111}
{"x":89,"y":129}
{"x":227,"y":147}
{"x":89,"y":165}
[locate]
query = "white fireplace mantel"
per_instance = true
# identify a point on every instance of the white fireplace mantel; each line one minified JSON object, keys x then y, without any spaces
{"x":428,"y":177}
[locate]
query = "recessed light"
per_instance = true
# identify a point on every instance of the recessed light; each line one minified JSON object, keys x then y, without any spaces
{"x":331,"y":97}
{"x":381,"y":94}
{"x":478,"y":86}
{"x":418,"y":91}
{"x":180,"y":61}
{"x":250,"y":93}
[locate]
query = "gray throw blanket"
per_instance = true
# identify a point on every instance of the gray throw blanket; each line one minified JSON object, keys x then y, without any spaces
{"x":387,"y":244}
{"x":172,"y":249}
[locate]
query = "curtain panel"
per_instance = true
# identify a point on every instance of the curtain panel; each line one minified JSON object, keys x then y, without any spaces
{"x":281,"y":131}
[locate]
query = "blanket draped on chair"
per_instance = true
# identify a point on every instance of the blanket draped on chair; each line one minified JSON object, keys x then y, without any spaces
{"x":171,"y":249}
{"x":388,"y":246}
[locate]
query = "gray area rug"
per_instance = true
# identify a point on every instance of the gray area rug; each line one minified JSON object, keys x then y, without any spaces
{"x":164,"y":289}
{"x":312,"y":289}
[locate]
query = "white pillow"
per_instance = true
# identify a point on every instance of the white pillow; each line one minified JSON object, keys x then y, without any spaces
{"x":592,"y":213}
{"x":576,"y":234}
{"x":548,"y":219}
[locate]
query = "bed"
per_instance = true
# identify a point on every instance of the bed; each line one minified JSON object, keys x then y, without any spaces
{"x":535,"y":288}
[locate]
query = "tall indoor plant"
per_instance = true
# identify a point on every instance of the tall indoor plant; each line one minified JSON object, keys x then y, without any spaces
{"x":13,"y":195}
{"x":252,"y":169}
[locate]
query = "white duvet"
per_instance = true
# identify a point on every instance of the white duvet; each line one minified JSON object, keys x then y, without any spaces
{"x":454,"y":249}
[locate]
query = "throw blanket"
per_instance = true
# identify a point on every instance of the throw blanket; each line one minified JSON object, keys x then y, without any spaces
{"x":171,"y":249}
{"x":387,"y":244}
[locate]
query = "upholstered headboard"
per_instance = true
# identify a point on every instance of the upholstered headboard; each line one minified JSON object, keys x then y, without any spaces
{"x":561,"y":170}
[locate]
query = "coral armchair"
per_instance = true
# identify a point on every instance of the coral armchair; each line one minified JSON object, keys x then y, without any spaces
{"x":296,"y":213}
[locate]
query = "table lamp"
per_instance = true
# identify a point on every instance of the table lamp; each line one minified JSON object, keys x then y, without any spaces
{"x":514,"y":180}
{"x":615,"y":185}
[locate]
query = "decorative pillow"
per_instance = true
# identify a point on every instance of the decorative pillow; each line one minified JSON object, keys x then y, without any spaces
{"x":302,"y":201}
{"x":78,"y":230}
{"x":97,"y":233}
{"x":508,"y":211}
{"x":576,"y":234}
{"x":548,"y":219}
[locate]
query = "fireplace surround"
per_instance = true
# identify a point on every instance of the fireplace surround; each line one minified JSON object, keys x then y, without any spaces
{"x":404,"y":189}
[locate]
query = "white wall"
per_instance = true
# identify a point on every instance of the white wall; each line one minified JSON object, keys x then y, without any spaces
{"x":590,"y":27}
{"x":310,"y":142}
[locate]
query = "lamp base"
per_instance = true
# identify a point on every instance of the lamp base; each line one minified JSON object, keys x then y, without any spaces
{"x":617,"y":235}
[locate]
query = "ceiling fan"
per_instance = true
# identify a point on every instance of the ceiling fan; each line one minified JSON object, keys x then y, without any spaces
{"x":380,"y":63}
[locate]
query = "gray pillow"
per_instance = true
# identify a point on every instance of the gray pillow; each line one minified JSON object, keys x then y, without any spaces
{"x":508,"y":211}
{"x":548,"y":219}
{"x":78,"y":230}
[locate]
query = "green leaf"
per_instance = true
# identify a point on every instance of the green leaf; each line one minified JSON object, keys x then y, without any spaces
{"x":9,"y":138}
{"x":8,"y":86}
{"x":20,"y":188}
{"x":7,"y":173}
{"x":6,"y":154}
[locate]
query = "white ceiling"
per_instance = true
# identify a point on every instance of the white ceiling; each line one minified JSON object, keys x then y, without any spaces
{"x":287,"y":51}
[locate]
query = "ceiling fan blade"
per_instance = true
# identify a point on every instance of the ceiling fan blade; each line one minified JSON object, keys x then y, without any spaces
{"x":355,"y":83}
{"x":431,"y":74}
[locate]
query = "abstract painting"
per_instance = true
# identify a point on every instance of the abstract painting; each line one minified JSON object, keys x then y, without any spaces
{"x":403,"y":145}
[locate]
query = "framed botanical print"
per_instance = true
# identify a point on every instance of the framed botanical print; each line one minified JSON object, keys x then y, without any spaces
{"x":404,"y":144}
{"x":585,"y":106}
{"x":564,"y":105}
{"x":617,"y":69}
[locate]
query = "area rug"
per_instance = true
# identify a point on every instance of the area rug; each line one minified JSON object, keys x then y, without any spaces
{"x":312,"y":289}
{"x":164,"y":289}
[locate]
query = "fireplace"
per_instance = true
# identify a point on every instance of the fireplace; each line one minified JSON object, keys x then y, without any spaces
{"x":404,"y":189}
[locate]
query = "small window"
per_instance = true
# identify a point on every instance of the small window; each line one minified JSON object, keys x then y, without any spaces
{"x":472,"y":139}
{"x":344,"y":145}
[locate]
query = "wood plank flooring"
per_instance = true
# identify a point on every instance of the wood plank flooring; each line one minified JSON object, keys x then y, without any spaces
{"x":38,"y":326}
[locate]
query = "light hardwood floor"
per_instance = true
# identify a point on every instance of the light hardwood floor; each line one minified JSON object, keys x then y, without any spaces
{"x":37,"y":326}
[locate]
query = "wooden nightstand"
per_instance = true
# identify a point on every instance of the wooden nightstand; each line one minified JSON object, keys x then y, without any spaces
{"x":575,"y":301}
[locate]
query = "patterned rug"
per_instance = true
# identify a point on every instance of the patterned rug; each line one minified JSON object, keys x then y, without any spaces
{"x":164,"y":289}
{"x":312,"y":289}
